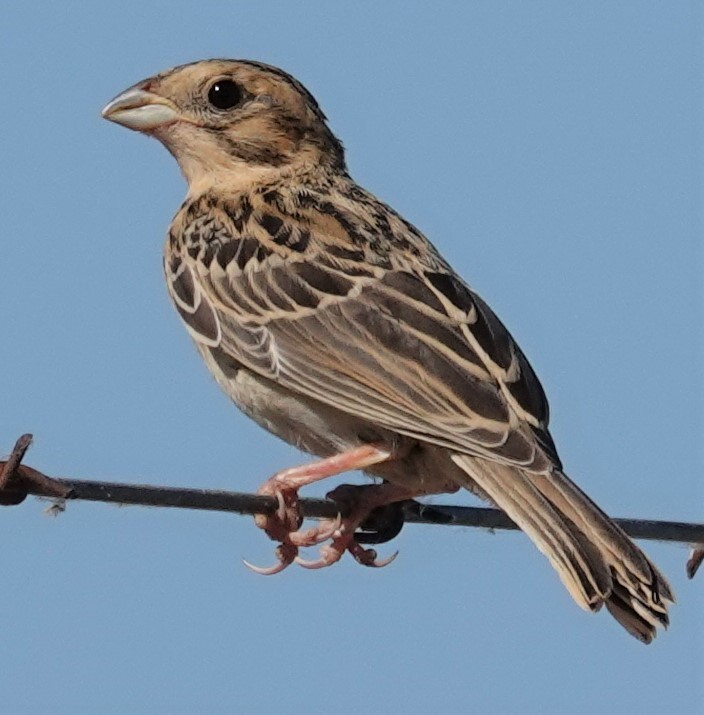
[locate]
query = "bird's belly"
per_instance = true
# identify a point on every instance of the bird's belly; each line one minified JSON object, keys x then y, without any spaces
{"x":300,"y":421}
{"x":323,"y":431}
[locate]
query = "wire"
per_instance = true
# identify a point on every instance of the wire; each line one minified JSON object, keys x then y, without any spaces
{"x":18,"y":480}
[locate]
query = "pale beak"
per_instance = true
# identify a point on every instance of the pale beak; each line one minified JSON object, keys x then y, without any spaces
{"x":141,"y":110}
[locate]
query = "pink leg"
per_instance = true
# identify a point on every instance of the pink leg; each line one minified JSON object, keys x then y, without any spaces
{"x":283,"y":525}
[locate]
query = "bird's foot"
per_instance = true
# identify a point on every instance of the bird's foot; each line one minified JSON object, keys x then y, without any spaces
{"x":284,"y":525}
{"x":359,"y":503}
{"x":333,"y":552}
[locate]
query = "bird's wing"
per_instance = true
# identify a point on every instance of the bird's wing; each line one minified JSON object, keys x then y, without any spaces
{"x":405,"y":344}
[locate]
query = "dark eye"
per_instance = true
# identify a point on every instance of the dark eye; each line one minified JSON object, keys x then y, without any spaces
{"x":224,"y":94}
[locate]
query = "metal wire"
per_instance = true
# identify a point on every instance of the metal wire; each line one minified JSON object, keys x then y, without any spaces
{"x":18,"y":480}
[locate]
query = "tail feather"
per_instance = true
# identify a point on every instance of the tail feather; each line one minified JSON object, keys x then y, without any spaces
{"x":633,"y":616}
{"x":595,"y":559}
{"x":636,"y":581}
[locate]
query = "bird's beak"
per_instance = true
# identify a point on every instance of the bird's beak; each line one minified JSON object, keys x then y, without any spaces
{"x":141,"y":110}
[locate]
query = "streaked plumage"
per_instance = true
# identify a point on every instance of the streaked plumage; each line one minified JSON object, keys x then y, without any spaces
{"x":334,"y":323}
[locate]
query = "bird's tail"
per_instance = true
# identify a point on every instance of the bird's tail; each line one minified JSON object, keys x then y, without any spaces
{"x":595,"y":559}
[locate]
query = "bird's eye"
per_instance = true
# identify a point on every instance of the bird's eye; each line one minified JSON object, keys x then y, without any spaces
{"x":224,"y":94}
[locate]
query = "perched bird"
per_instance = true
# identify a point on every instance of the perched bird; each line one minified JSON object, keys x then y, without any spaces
{"x":335,"y":324}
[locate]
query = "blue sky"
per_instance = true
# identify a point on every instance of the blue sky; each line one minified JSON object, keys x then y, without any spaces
{"x":553,"y":152}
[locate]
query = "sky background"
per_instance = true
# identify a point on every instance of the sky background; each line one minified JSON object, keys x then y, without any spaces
{"x":553,"y":152}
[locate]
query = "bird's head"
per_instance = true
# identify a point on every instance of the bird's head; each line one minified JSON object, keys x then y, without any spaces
{"x":230,"y":120}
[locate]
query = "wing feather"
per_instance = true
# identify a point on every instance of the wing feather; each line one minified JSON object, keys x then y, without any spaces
{"x":410,"y":348}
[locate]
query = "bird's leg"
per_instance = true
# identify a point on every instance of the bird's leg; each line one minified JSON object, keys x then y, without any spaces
{"x":361,"y":501}
{"x":283,"y":526}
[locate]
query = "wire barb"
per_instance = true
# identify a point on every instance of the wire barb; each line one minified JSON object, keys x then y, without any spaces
{"x":696,"y":556}
{"x":12,"y":494}
{"x":17,"y":480}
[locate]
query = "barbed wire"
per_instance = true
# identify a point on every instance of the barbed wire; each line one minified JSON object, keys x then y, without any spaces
{"x":18,"y":480}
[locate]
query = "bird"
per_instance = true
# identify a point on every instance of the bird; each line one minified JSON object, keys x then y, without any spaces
{"x":335,"y":324}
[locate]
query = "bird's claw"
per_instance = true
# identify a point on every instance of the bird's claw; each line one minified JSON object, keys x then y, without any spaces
{"x":328,"y":556}
{"x":369,"y":557}
{"x":287,"y":551}
{"x":317,"y":534}
{"x":333,"y":553}
{"x":285,"y":520}
{"x":286,"y":554}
